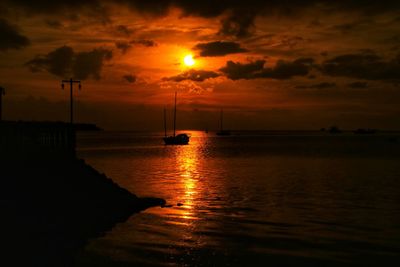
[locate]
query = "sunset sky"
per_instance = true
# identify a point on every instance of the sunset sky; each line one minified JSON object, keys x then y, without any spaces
{"x":269,"y":64}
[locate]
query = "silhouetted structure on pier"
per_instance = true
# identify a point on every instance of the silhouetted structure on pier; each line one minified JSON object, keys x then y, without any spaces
{"x":71,"y":84}
{"x":36,"y":139}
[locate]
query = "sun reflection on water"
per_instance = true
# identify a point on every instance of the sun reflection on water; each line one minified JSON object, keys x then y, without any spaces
{"x":239,"y":198}
{"x":183,"y":183}
{"x":187,"y":163}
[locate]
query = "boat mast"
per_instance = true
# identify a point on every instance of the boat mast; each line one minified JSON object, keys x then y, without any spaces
{"x":165,"y":122}
{"x":221,"y":119}
{"x":175,"y":115}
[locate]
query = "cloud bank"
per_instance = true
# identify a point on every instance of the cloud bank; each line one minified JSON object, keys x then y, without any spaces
{"x":10,"y":37}
{"x":65,"y":62}
{"x":255,"y":69}
{"x":218,"y":48}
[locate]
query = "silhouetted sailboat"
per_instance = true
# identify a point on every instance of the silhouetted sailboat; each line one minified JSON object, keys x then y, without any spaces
{"x":180,"y":139}
{"x":222,"y":132}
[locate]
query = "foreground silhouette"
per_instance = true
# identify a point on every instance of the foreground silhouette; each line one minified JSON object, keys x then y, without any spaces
{"x":52,"y":204}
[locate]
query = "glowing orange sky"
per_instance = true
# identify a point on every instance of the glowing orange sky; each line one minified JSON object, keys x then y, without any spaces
{"x":146,"y":67}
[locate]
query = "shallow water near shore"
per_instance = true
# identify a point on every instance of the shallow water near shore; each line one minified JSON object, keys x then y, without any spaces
{"x":251,"y":199}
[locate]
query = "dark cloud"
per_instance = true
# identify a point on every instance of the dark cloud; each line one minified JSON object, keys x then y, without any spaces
{"x":283,"y":42}
{"x":74,"y":9}
{"x":50,"y":6}
{"x":57,"y":62}
{"x":288,"y":69}
{"x":10,"y":37}
{"x":358,"y":85}
{"x":354,"y":26}
{"x":238,"y":16}
{"x":238,"y":24}
{"x":323,"y":85}
{"x":123,"y":46}
{"x":395,"y":39}
{"x":368,"y":66}
{"x":90,"y":64}
{"x":55,"y":24}
{"x":144,"y":42}
{"x":64,"y":62}
{"x":212,"y":8}
{"x":255,"y":69}
{"x":193,"y":75}
{"x":236,"y":71}
{"x":206,"y":8}
{"x":151,"y":7}
{"x":366,"y":6}
{"x":291,"y":41}
{"x":324,"y":53}
{"x":130,"y":78}
{"x":346,"y":27}
{"x":218,"y":48}
{"x":315,"y":23}
{"x":123,"y":30}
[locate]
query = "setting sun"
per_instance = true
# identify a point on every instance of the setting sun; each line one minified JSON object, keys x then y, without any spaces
{"x":188,"y":60}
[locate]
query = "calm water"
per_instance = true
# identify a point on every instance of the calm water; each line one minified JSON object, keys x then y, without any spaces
{"x":252,"y":199}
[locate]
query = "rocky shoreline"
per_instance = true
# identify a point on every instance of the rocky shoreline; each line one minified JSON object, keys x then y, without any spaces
{"x":52,"y":207}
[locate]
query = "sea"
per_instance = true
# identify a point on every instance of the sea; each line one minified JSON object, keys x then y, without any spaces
{"x":254,"y":198}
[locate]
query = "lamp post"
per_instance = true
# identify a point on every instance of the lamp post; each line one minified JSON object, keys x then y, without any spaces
{"x":72,"y":142}
{"x":71,"y":82}
{"x":2,"y":92}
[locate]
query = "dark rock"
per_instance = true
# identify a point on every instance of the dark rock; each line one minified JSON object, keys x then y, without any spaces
{"x":51,"y":208}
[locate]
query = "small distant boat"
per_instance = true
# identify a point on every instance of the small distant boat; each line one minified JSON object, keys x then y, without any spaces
{"x":335,"y":130}
{"x":222,"y":132}
{"x":180,"y":139}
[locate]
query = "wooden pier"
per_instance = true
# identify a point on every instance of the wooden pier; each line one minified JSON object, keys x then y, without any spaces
{"x":36,"y":139}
